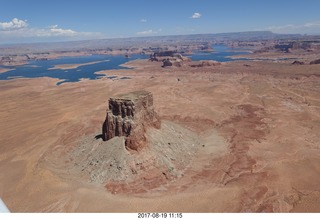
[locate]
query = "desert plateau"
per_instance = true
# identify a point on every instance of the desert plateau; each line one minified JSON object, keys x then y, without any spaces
{"x":160,"y":107}
{"x":239,"y":136}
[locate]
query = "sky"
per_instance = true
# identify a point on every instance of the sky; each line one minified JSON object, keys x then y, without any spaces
{"x":24,"y":21}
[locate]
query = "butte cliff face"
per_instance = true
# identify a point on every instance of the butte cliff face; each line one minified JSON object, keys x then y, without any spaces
{"x":129,"y":115}
{"x":136,"y":154}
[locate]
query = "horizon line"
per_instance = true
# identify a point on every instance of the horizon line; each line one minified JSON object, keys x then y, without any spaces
{"x":141,"y":37}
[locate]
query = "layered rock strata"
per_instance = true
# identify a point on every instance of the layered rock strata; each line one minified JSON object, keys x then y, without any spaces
{"x":129,"y":115}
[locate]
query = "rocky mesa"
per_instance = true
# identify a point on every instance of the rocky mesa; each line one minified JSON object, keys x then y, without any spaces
{"x":129,"y":115}
{"x":134,"y":154}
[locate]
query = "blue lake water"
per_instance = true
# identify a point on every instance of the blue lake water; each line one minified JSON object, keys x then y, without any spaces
{"x":41,"y":68}
{"x":221,"y":53}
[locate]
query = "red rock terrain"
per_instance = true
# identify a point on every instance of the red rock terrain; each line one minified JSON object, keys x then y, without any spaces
{"x":236,"y":137}
{"x":130,"y":115}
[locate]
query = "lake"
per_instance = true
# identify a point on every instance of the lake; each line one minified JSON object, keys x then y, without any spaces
{"x":42,"y":68}
{"x":221,"y":53}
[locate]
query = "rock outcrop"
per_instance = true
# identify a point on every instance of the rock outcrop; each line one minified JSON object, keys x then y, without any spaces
{"x":297,"y":63}
{"x":177,"y":61}
{"x":169,"y":58}
{"x":129,"y":115}
{"x":314,"y":62}
{"x":166,"y":63}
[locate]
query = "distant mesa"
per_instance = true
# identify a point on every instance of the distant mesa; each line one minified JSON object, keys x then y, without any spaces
{"x":175,"y":59}
{"x":169,"y":58}
{"x":130,"y":115}
{"x":162,"y":55}
{"x":165,"y":53}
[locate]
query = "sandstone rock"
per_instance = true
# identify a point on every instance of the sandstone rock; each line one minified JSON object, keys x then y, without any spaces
{"x":129,"y":115}
{"x":166,"y":63}
{"x":317,"y":61}
{"x":169,"y":58}
{"x":177,"y":60}
{"x":297,"y":63}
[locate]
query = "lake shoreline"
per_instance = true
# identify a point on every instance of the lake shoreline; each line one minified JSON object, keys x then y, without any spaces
{"x":4,"y":70}
{"x":74,"y":66}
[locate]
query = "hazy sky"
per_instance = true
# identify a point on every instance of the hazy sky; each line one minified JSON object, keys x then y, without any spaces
{"x":55,"y":20}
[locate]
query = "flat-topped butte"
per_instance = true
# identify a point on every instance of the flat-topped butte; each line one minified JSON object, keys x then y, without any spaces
{"x":129,"y":115}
